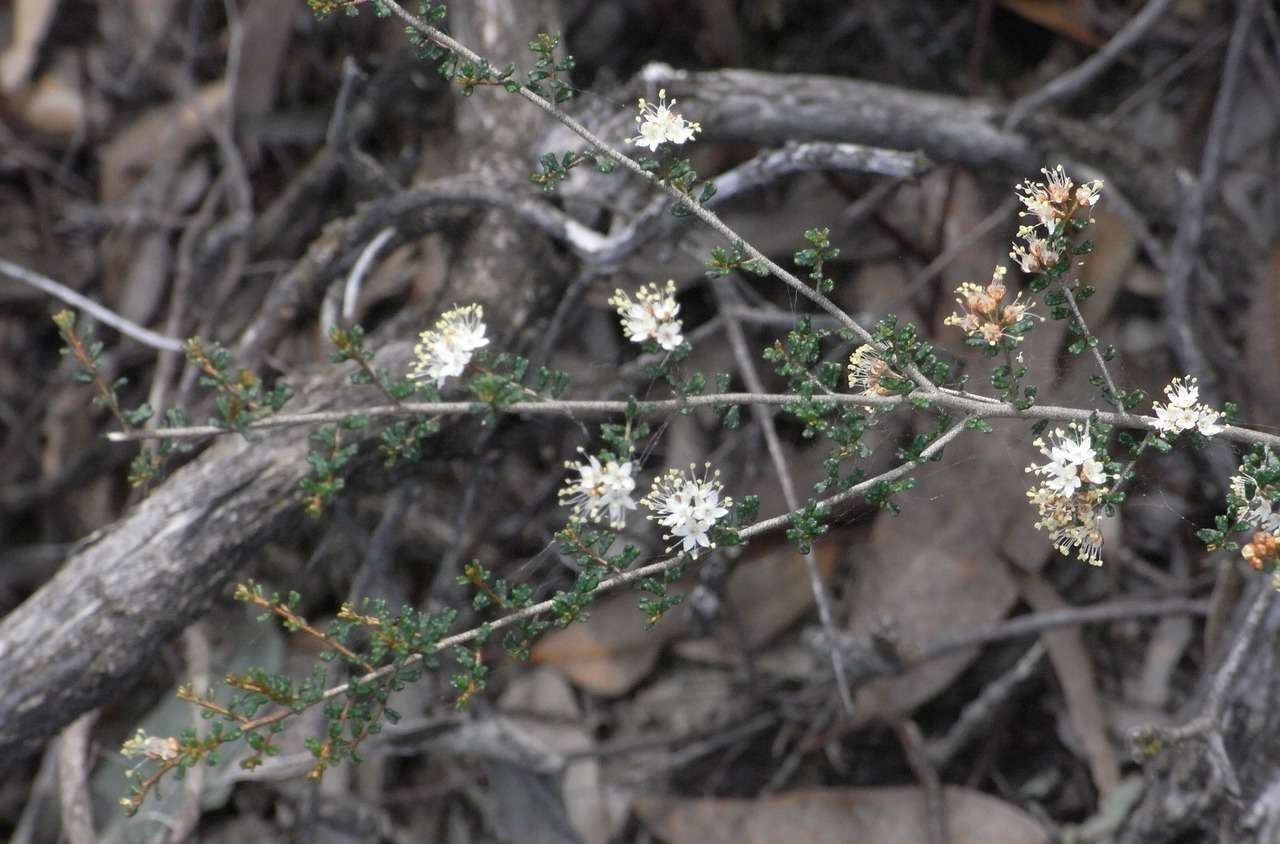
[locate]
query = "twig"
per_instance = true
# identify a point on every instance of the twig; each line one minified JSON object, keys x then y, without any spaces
{"x":352,"y":289}
{"x":1076,"y":79}
{"x":904,"y":658}
{"x":979,"y":712}
{"x":980,"y":407}
{"x":922,"y":766}
{"x":1166,"y":75}
{"x":185,"y":272}
{"x":98,"y":312}
{"x":337,"y":135}
{"x":73,"y":780}
{"x":1039,"y":622}
{"x":1097,"y":355}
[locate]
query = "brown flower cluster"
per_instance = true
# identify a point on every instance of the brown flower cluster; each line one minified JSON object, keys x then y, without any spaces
{"x":985,"y":313}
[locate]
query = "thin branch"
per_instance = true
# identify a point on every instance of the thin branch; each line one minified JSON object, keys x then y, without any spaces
{"x":1076,"y":79}
{"x":979,"y":712}
{"x":1029,"y":625}
{"x":352,"y":289}
{"x":1097,"y":355}
{"x":981,"y":407}
{"x":913,"y":746}
{"x":59,"y":291}
{"x":73,"y":779}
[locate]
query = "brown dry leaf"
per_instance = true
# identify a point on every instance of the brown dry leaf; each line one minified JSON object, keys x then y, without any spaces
{"x":165,"y":132}
{"x":891,"y":815}
{"x":31,"y":19}
{"x":1075,"y":673}
{"x":613,"y":650}
{"x":937,"y":567}
{"x":1068,"y":18}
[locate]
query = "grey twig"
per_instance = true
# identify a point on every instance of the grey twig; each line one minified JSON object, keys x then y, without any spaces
{"x":73,"y":780}
{"x":108,"y":317}
{"x":352,"y":289}
{"x":980,"y":711}
{"x":1208,"y":725}
{"x":1076,"y":79}
{"x":1097,"y":355}
{"x":981,"y":407}
{"x":1028,"y":625}
{"x":922,"y":766}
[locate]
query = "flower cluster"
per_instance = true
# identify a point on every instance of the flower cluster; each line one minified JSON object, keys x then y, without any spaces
{"x":1073,"y":493}
{"x":867,"y":371}
{"x":985,"y":314}
{"x":659,"y":124}
{"x":600,"y":490}
{"x":1055,"y":200}
{"x":1183,"y":412}
{"x":688,"y":505}
{"x":652,"y":316}
{"x":446,"y":349}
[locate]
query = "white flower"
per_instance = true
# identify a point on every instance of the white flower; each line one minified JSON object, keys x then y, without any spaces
{"x":1072,"y":462}
{"x":1183,"y":394}
{"x":600,"y":490}
{"x":659,"y":124}
{"x":668,"y":335}
{"x":1183,"y":411}
{"x":688,"y":505}
{"x":1089,"y":193}
{"x":445,"y":349}
{"x":1072,"y":451}
{"x":652,"y":316}
{"x":1062,"y":478}
{"x":1207,"y":423}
